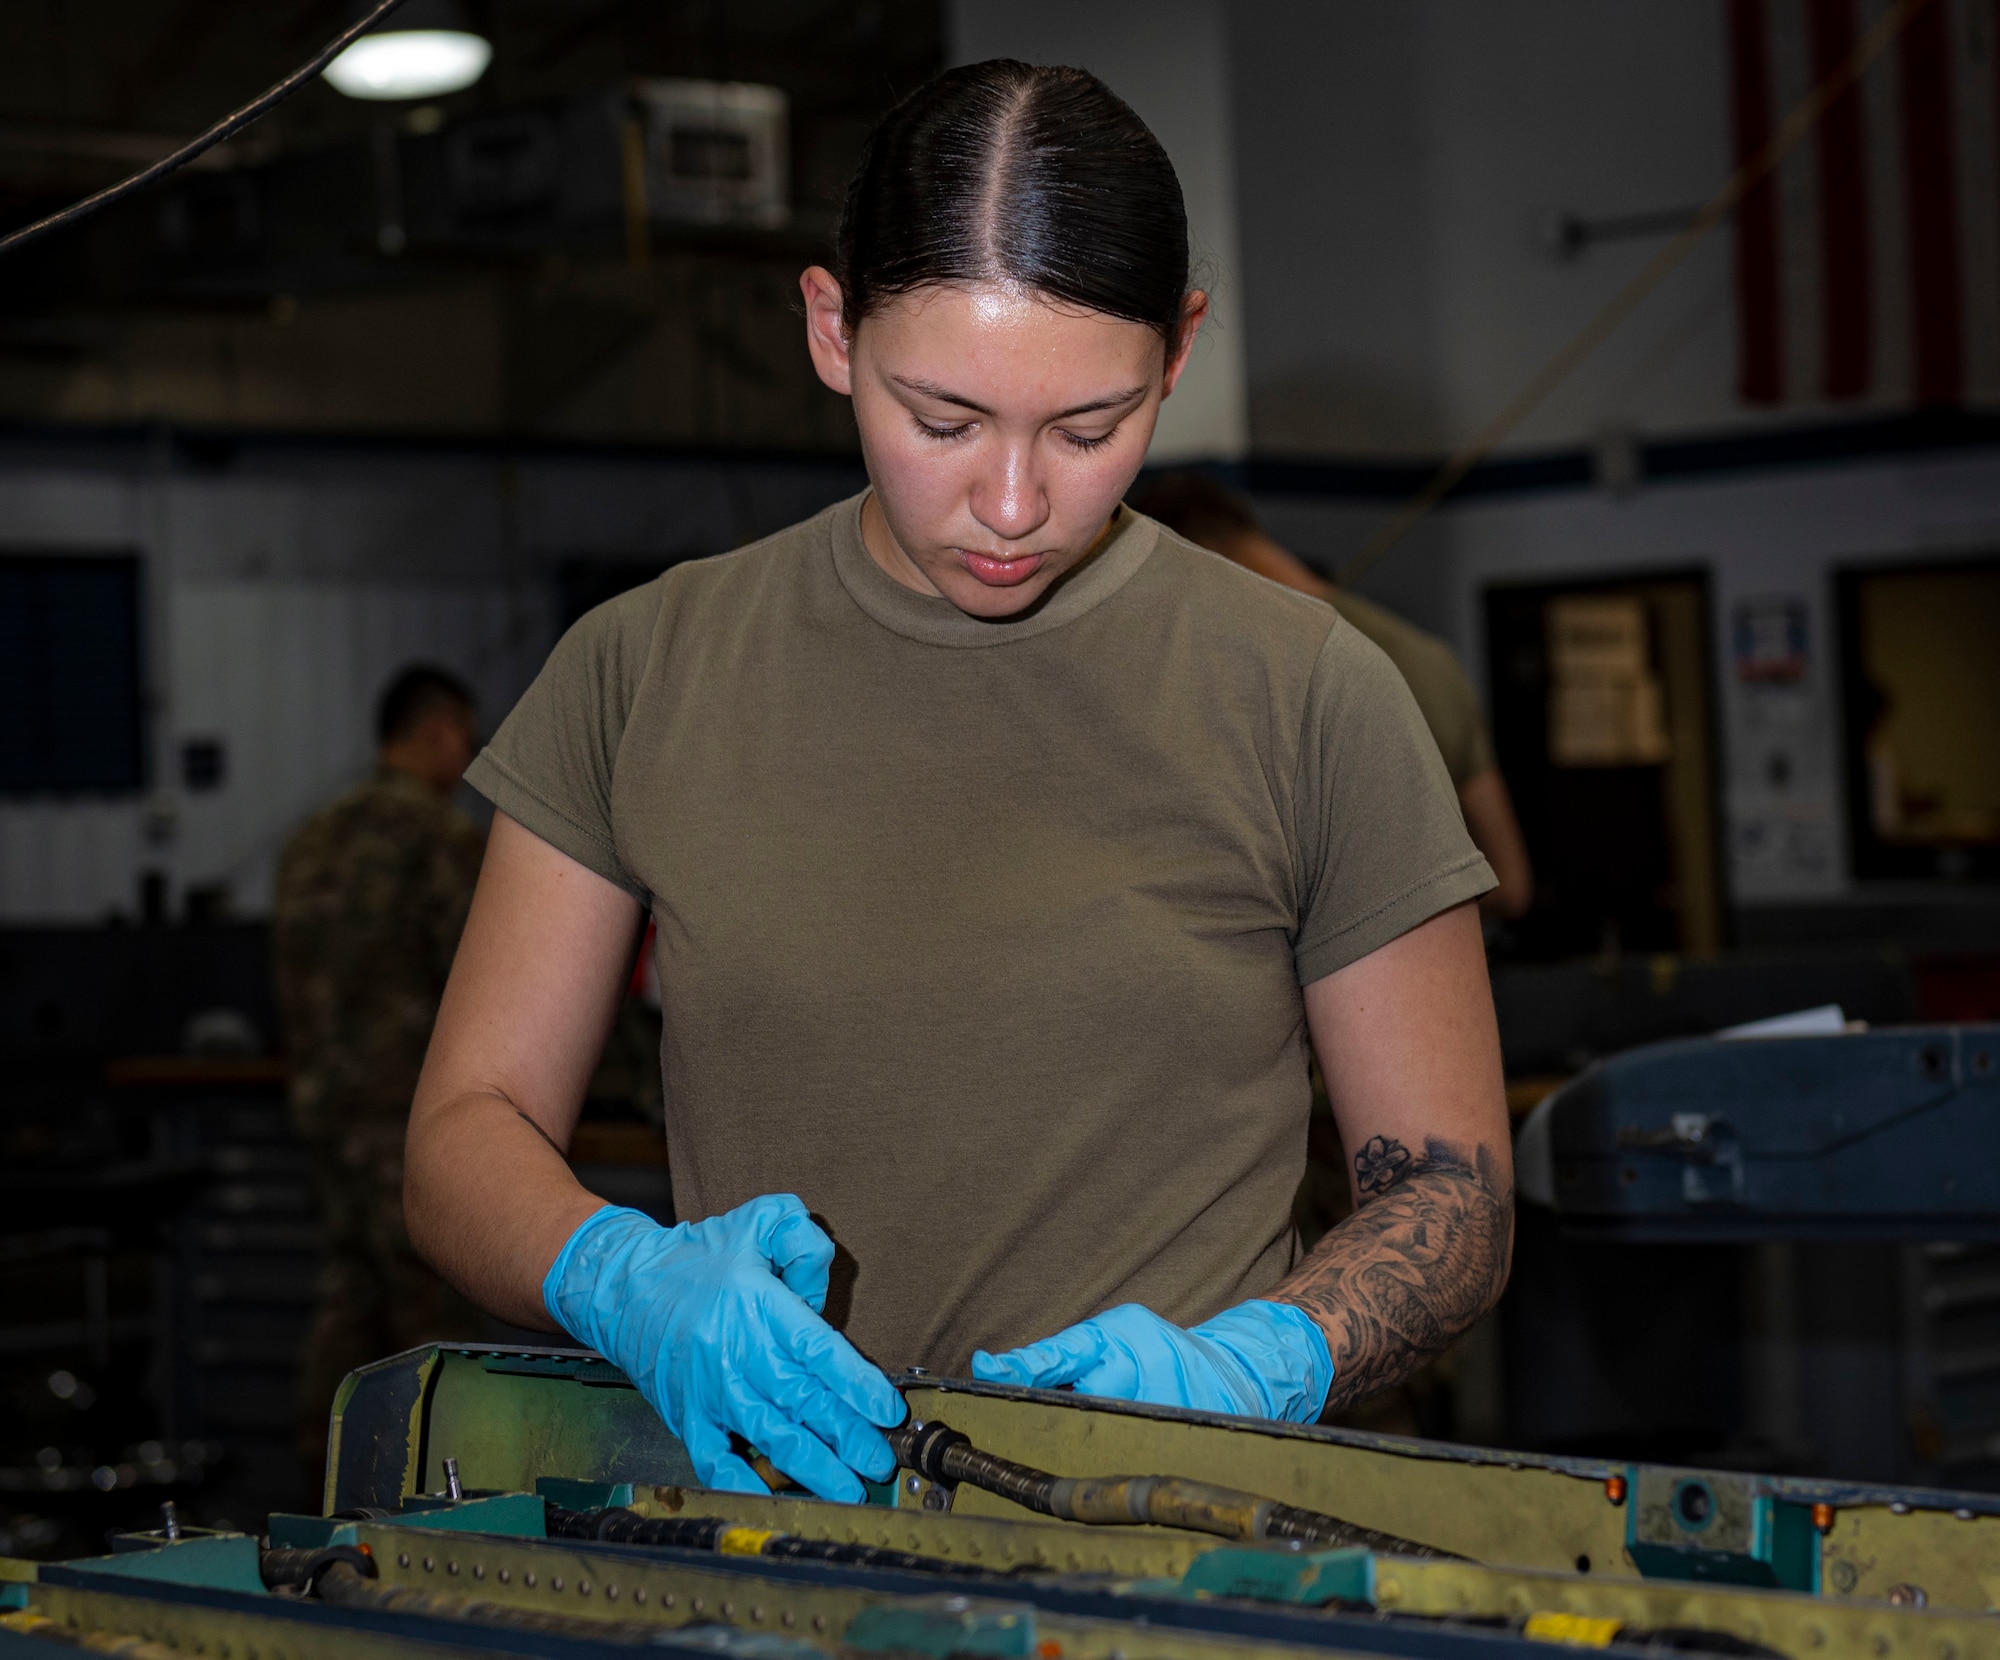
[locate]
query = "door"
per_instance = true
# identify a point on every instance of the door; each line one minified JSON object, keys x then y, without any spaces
{"x":1603,"y":723}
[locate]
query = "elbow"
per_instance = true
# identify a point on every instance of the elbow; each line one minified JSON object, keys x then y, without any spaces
{"x":1506,"y":1264}
{"x":417,"y":1214}
{"x":1487,"y":1246}
{"x":420,"y":1195}
{"x":1499,"y":1252}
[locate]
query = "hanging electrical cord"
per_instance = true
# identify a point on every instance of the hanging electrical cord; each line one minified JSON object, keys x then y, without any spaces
{"x":1802,"y":119}
{"x":228,"y":127}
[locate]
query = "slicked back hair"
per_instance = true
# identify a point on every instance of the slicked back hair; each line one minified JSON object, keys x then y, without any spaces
{"x":1004,"y":171}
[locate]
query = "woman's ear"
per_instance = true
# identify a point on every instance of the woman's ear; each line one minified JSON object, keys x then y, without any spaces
{"x":1194,"y":311}
{"x":826,"y":329}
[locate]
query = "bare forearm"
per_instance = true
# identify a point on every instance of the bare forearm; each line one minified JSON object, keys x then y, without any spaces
{"x":490,"y":1202}
{"x":1426,"y":1254}
{"x":488,"y":1198}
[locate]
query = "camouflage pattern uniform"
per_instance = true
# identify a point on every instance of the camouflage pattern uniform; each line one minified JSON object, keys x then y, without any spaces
{"x":372,"y":895}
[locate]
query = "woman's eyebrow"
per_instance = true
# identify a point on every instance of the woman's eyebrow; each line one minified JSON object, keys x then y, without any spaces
{"x":943,"y":394}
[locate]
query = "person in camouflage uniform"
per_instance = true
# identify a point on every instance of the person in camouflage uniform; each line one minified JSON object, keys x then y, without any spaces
{"x":372,"y":894}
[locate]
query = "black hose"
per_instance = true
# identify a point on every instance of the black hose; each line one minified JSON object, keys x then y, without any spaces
{"x":712,"y":1533}
{"x":228,"y":127}
{"x":301,"y":1569}
{"x":1289,"y":1522}
{"x":943,"y":1455}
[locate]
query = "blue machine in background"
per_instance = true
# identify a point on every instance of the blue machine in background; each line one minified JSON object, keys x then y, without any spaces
{"x":1890,"y":1134}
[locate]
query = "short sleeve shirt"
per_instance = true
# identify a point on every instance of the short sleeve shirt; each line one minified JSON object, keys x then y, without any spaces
{"x":987,"y":938}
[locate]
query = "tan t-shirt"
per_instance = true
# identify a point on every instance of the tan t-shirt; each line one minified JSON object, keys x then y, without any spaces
{"x":1449,"y":704}
{"x":986,"y":939}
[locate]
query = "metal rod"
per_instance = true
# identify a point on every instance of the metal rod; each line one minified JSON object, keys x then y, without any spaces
{"x":1621,"y":305}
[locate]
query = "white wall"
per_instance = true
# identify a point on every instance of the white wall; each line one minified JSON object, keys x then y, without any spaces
{"x":1397,"y":168}
{"x":1758,"y":535}
{"x":1389,"y":167}
{"x":288,"y":587}
{"x":1168,"y":59}
{"x":1397,"y":165}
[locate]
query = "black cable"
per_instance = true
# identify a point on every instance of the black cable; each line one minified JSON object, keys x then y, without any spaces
{"x":626,"y":1527}
{"x":227,"y":127}
{"x":945,"y":1456}
{"x":300,"y":1569}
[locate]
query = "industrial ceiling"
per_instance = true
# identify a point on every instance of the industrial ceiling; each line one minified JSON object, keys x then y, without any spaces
{"x":474,"y":265}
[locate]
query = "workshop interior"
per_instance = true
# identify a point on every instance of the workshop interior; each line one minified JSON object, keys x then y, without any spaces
{"x":1628,"y":371}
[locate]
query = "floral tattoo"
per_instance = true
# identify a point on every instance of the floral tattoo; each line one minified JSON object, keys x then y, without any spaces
{"x":1380,"y":1164}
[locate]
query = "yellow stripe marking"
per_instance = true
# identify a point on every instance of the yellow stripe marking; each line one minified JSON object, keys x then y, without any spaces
{"x":1580,"y":1629}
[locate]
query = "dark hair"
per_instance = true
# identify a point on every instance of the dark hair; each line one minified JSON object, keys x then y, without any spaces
{"x":1194,"y":505}
{"x":413,"y":695}
{"x":1010,"y":171}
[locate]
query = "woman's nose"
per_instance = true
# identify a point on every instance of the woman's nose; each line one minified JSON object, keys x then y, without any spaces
{"x":1008,"y":498}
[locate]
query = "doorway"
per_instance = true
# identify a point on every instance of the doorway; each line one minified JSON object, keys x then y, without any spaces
{"x":1603,"y":722}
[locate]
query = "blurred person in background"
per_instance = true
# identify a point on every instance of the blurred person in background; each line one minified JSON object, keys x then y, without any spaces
{"x":1197,"y":507}
{"x":372,"y":895}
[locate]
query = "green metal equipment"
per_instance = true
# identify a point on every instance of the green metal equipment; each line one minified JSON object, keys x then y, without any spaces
{"x":529,"y":1502}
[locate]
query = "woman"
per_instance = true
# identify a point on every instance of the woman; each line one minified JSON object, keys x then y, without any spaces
{"x":1003,"y":849}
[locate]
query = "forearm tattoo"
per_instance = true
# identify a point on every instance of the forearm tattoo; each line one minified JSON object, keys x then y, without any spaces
{"x":1422,"y":1258}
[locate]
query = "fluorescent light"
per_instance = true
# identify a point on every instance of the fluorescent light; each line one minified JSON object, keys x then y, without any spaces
{"x":410,"y":63}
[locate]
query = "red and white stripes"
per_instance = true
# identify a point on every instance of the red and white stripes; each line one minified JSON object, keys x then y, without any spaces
{"x":1868,"y":265}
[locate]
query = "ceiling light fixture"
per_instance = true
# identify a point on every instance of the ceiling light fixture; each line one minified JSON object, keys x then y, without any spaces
{"x":426,"y":51}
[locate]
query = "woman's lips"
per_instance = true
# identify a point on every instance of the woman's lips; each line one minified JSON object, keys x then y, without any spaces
{"x":1000,"y":573}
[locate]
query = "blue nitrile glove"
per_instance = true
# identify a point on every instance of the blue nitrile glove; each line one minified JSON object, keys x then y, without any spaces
{"x":1259,"y":1359}
{"x":718,"y":1323}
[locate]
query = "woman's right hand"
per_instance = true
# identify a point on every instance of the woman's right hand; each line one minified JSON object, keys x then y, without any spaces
{"x":718,"y":1323}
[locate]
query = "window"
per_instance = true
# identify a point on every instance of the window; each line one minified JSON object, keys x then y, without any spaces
{"x":72,"y":717}
{"x":1922,"y":683}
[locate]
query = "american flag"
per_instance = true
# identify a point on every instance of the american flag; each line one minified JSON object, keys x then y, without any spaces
{"x":1868,"y":263}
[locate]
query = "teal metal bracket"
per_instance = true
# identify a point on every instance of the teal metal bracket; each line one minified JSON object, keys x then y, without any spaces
{"x":584,"y":1495}
{"x":522,"y":1515}
{"x":1698,"y":1524}
{"x":943,"y":1628}
{"x":221,"y":1562}
{"x":1280,"y":1573}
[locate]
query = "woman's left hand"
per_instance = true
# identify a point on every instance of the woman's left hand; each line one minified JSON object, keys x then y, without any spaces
{"x":1259,"y":1360}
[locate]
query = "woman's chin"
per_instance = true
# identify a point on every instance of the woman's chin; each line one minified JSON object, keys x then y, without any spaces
{"x":990,"y":601}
